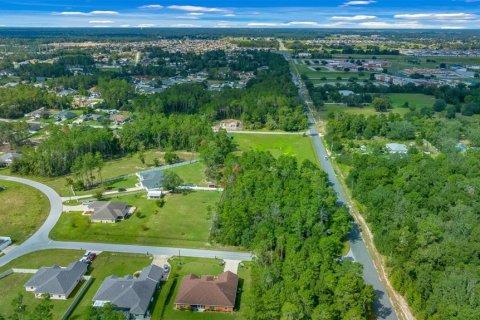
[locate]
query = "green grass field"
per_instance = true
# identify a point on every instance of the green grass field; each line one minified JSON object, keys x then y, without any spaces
{"x":23,"y":210}
{"x":413,"y":99}
{"x":192,"y":173}
{"x":292,"y":145}
{"x":185,"y":266}
{"x":184,"y":221}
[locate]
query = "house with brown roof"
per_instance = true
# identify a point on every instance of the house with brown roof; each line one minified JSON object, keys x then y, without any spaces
{"x":208,"y":293}
{"x":119,"y":119}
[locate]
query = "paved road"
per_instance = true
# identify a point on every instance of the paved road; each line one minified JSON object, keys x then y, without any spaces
{"x":382,"y":304}
{"x":41,"y":241}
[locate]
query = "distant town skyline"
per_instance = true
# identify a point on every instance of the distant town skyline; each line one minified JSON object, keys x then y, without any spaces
{"x":365,"y":14}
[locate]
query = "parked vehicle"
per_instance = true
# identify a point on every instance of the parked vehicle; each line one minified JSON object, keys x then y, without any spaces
{"x":166,"y":268}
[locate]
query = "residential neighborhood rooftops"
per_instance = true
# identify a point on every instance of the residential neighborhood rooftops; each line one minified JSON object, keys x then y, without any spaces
{"x":9,"y":157}
{"x":130,"y":293}
{"x":208,"y":290}
{"x":57,"y":280}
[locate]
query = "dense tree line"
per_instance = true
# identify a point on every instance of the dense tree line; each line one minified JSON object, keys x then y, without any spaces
{"x":56,"y":155}
{"x":287,"y":214}
{"x":423,"y":212}
{"x":21,"y":99}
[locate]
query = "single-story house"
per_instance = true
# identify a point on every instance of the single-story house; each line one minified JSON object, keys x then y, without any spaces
{"x":346,"y":93}
{"x":119,"y":118}
{"x":64,"y":115}
{"x":208,"y":293}
{"x":7,"y":159}
{"x":56,"y":281}
{"x":108,"y":211}
{"x":38,"y":114}
{"x":396,"y":148}
{"x":152,"y":182}
{"x":129,"y":294}
{"x":5,"y":242}
{"x":231,"y":124}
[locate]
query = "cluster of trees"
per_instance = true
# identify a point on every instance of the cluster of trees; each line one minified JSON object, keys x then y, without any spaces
{"x":423,"y":212}
{"x":56,"y":155}
{"x":21,"y":99}
{"x":176,"y":132}
{"x":13,"y":133}
{"x":287,"y":214}
{"x":351,"y":126}
{"x":256,"y":43}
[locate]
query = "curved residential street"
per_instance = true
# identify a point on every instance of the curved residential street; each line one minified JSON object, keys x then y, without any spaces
{"x":41,"y":241}
{"x":358,"y":250}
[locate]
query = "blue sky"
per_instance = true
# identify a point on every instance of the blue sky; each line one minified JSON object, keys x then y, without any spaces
{"x":397,"y":14}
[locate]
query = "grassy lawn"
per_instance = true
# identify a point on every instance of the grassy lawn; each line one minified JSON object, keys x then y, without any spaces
{"x":293,"y":145}
{"x":106,"y":264}
{"x":366,"y":111}
{"x":113,"y":168}
{"x":417,"y":100}
{"x":12,"y":285}
{"x":184,"y":221}
{"x":23,"y":209}
{"x":192,"y":174}
{"x":185,"y":266}
{"x":38,"y":259}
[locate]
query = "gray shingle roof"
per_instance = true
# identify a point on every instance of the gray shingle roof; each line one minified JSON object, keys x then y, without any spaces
{"x":57,"y":280}
{"x":133,"y":294}
{"x":108,"y":210}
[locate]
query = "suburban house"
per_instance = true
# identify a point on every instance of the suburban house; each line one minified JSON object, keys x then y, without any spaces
{"x":231,"y":125}
{"x":108,"y":211}
{"x":129,"y":294}
{"x":64,"y":115}
{"x":119,"y":118}
{"x":396,"y":148}
{"x":38,"y":114}
{"x":208,"y":293}
{"x":7,"y":159}
{"x":152,"y":182}
{"x":56,"y":281}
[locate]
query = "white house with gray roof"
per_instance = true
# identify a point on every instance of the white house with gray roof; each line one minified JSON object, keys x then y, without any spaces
{"x":396,"y":148}
{"x":56,"y":281}
{"x":152,"y":182}
{"x":109,"y":211}
{"x":130,"y":294}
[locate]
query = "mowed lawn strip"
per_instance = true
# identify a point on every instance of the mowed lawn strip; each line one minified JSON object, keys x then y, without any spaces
{"x":293,"y":145}
{"x":23,"y":210}
{"x":184,"y":221}
{"x":184,"y":266}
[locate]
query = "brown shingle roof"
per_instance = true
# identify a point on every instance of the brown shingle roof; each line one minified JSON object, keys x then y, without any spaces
{"x":208,"y":290}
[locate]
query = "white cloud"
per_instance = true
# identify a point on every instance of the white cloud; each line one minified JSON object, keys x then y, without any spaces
{"x":229,"y":15}
{"x":353,"y":18}
{"x":196,"y":9}
{"x":452,"y":27}
{"x":184,"y":25}
{"x":392,"y":25}
{"x":302,"y":23}
{"x":101,"y":21}
{"x":78,"y":13}
{"x":437,"y":16}
{"x":107,"y":12}
{"x":125,"y":25}
{"x":262,"y":24}
{"x":358,"y":3}
{"x":195,"y":14}
{"x":151,"y":6}
{"x":72,"y":13}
